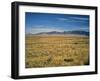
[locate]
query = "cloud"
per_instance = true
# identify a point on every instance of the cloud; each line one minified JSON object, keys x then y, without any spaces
{"x":84,"y":28}
{"x":80,"y":18}
{"x":74,"y":19}
{"x":62,"y":19}
{"x":39,"y":26}
{"x":38,"y":30}
{"x":44,"y":30}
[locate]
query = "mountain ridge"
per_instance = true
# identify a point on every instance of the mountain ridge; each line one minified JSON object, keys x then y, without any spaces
{"x":75,"y":32}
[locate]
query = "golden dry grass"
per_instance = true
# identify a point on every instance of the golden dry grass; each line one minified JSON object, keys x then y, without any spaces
{"x":52,"y":51}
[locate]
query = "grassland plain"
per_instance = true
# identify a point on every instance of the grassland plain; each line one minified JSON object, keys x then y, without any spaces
{"x":54,"y":51}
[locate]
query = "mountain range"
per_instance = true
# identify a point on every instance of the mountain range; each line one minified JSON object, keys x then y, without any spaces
{"x":77,"y":32}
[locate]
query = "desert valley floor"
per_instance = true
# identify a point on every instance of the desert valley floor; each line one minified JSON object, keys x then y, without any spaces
{"x":54,"y":51}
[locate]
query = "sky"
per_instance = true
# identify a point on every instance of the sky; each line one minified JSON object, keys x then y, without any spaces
{"x":47,"y":22}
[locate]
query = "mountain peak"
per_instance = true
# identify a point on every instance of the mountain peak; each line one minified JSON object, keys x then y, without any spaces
{"x":75,"y":32}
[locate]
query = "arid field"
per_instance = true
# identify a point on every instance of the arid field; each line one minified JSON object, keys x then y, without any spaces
{"x":54,"y":51}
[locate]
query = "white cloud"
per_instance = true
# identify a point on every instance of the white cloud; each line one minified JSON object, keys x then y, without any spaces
{"x":38,"y":30}
{"x":39,"y":26}
{"x":62,"y":19}
{"x":79,"y":18}
{"x":74,"y":19}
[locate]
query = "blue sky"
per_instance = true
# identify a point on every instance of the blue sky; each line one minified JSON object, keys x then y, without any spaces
{"x":46,"y":22}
